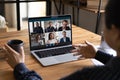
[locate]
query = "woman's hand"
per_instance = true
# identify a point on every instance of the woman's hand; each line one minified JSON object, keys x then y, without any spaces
{"x":12,"y":57}
{"x":87,"y":50}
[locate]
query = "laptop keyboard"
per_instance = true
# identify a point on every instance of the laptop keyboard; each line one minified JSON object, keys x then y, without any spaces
{"x":54,"y":52}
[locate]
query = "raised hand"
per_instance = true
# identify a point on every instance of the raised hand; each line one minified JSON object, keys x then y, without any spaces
{"x":87,"y":50}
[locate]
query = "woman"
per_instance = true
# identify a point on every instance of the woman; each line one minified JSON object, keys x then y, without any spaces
{"x":39,"y":39}
{"x":51,"y":39}
{"x":111,"y":69}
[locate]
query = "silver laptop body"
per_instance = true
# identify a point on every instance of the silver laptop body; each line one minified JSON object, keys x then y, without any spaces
{"x":51,"y":39}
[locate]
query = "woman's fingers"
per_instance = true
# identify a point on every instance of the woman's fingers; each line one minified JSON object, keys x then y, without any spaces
{"x":88,"y":43}
{"x":10,"y":50}
{"x":21,"y":51}
{"x":76,"y":54}
{"x":87,"y":50}
{"x":75,"y":45}
{"x":77,"y":49}
{"x":74,"y":50}
{"x":12,"y":57}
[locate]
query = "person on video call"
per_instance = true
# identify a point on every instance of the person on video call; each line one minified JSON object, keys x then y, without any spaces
{"x":39,"y":39}
{"x":64,"y":38}
{"x":38,"y":28}
{"x":50,"y":28}
{"x":111,"y":69}
{"x":52,"y":39}
{"x":64,"y":26}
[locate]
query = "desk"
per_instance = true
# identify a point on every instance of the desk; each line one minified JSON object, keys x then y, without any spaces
{"x":52,"y":72}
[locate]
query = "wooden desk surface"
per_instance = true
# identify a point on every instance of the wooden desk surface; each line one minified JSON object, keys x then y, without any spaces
{"x":52,"y":72}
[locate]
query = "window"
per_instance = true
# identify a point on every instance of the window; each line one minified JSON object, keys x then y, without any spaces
{"x":31,"y":9}
{"x":16,"y":12}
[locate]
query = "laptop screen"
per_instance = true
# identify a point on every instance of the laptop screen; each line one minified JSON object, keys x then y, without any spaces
{"x":47,"y":32}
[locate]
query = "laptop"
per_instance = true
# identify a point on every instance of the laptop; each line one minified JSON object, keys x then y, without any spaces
{"x":51,"y":39}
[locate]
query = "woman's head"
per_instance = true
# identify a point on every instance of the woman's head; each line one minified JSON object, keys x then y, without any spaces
{"x":38,"y":37}
{"x":112,"y":14}
{"x":112,"y":19}
{"x":51,"y":36}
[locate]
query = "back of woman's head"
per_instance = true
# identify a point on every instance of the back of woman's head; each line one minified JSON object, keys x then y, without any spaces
{"x":112,"y":13}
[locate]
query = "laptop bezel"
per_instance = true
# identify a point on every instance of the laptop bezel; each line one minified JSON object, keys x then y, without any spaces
{"x":31,"y":18}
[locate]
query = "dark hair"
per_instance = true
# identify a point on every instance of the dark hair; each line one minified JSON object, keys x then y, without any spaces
{"x":37,"y":23}
{"x":65,"y":21}
{"x":37,"y":36}
{"x":50,"y":22}
{"x":112,"y":14}
{"x":64,"y":32}
{"x":49,"y":36}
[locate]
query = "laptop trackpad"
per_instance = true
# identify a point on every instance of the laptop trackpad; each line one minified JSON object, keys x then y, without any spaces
{"x":57,"y":59}
{"x":66,"y":57}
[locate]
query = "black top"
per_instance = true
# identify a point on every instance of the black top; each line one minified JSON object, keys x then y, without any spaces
{"x":66,"y":38}
{"x":38,"y":30}
{"x":110,"y":71}
{"x":50,"y":29}
{"x":22,"y":73}
{"x":61,"y":29}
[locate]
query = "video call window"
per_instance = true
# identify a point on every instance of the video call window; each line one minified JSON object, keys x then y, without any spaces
{"x":50,"y":32}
